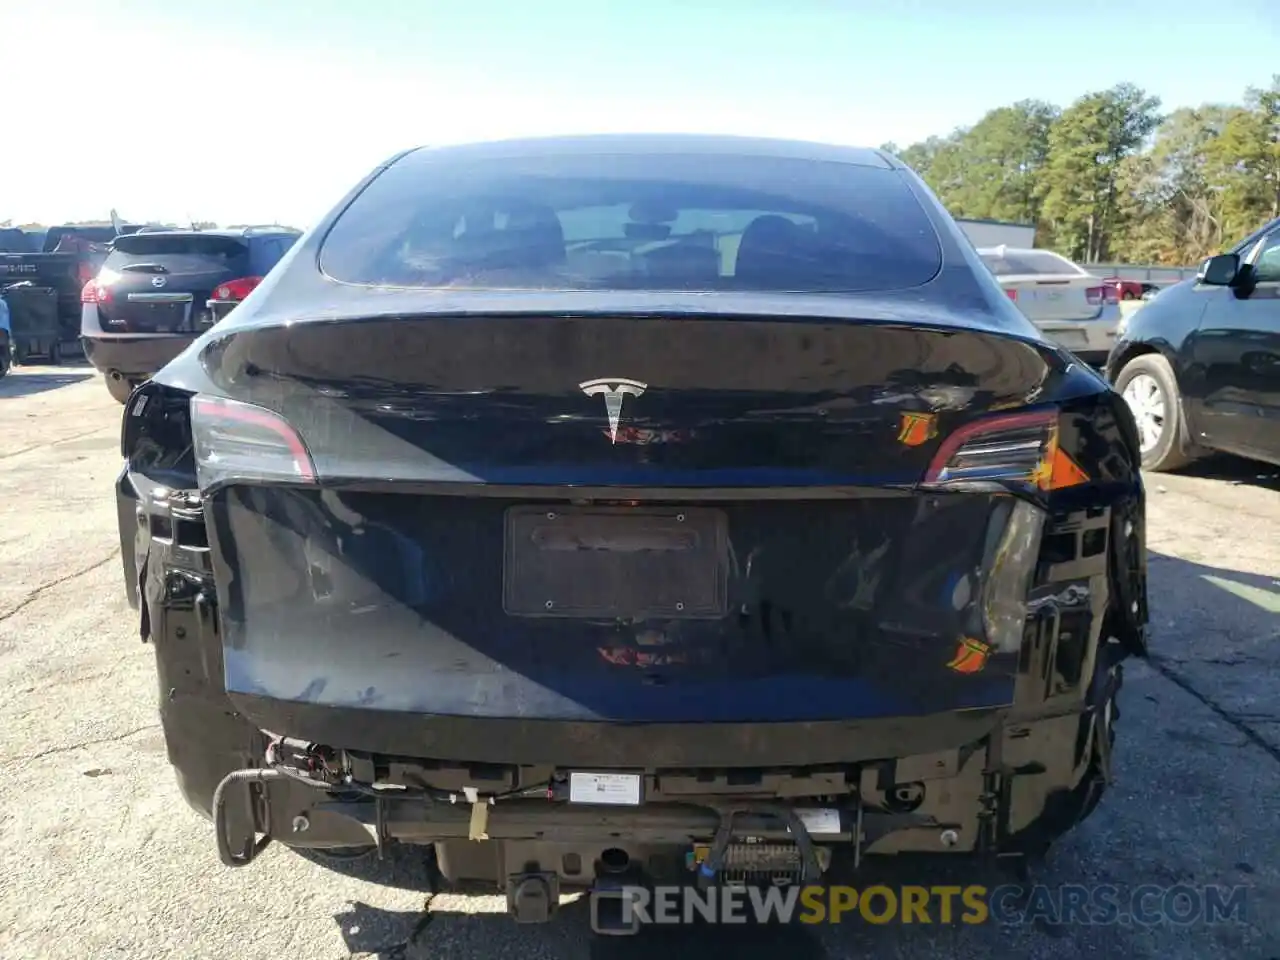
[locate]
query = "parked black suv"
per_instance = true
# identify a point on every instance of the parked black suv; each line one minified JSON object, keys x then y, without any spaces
{"x":152,"y":296}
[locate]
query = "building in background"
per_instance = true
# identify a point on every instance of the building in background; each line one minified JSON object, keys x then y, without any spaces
{"x":994,"y":233}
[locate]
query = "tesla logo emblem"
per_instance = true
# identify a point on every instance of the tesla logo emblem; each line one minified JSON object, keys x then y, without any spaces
{"x":158,"y":281}
{"x":614,"y":389}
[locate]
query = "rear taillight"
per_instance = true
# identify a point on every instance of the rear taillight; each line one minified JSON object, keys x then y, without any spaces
{"x":1096,"y":296}
{"x":95,"y":291}
{"x":1017,"y":448}
{"x":236,"y":289}
{"x":1012,"y":295}
{"x":240,"y":441}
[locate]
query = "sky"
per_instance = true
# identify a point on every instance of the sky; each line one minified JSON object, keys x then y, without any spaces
{"x":264,"y":111}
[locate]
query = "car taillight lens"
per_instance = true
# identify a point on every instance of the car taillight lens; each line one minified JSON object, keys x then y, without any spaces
{"x":1017,"y":448}
{"x":236,"y":289}
{"x":95,"y":292}
{"x":1096,"y":296}
{"x":1012,"y":295}
{"x":1010,"y":564}
{"x":239,"y":441}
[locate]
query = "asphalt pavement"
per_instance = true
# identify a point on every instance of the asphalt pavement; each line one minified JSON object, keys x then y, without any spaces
{"x":101,"y":858}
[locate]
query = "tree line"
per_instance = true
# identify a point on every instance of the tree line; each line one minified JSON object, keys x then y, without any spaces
{"x":1111,"y":178}
{"x":196,"y":225}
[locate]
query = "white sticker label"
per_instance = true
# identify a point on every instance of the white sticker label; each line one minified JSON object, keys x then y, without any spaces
{"x":825,"y":820}
{"x":617,"y":788}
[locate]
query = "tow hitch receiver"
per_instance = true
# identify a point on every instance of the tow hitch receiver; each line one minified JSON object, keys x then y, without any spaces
{"x":611,"y":915}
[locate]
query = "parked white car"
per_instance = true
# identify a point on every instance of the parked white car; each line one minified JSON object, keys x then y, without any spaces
{"x":1071,"y":305}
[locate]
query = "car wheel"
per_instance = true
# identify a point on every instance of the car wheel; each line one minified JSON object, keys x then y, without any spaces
{"x":1151,"y":392}
{"x":4,"y":361}
{"x":120,"y":389}
{"x":1106,"y":713}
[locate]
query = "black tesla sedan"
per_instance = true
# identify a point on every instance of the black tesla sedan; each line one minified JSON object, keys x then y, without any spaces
{"x":1200,"y":365}
{"x":583,"y":508}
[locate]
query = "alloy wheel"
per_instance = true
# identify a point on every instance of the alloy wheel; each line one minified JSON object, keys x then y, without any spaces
{"x":1147,"y":402}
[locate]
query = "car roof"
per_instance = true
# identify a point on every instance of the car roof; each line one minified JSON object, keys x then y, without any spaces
{"x":641,"y":143}
{"x":238,"y":233}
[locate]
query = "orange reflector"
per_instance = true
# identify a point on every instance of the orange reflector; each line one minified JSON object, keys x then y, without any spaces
{"x":917,"y":428}
{"x":1057,"y":470}
{"x":1064,"y":472}
{"x":971,"y":656}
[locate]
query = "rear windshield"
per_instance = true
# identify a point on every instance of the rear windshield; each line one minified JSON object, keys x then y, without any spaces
{"x":1029,"y":261}
{"x":178,"y":253}
{"x":13,"y":240}
{"x":93,"y":236}
{"x":634,"y":222}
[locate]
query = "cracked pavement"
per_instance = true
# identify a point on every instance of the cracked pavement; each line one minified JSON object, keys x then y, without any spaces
{"x":102,"y":858}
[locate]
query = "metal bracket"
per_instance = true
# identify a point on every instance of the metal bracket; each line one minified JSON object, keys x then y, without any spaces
{"x":251,"y":845}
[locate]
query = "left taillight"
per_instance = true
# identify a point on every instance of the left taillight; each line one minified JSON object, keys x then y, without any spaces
{"x":1016,"y":448}
{"x":95,"y":291}
{"x":1096,"y":296}
{"x":240,"y":441}
{"x":236,"y":289}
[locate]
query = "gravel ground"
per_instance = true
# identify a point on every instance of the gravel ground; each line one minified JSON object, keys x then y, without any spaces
{"x":103,"y":859}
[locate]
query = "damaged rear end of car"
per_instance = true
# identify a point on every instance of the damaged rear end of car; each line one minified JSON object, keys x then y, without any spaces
{"x":593,"y":586}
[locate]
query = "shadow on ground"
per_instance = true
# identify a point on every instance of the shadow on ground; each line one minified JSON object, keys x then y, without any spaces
{"x":388,"y":935}
{"x":444,"y":928}
{"x":27,"y":381}
{"x":439,"y":931}
{"x":1216,"y":633}
{"x":1236,"y":471}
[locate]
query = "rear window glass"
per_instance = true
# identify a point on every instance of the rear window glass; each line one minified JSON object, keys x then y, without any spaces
{"x":1029,"y":261}
{"x":177,"y":252}
{"x":634,"y":222}
{"x":13,"y":240}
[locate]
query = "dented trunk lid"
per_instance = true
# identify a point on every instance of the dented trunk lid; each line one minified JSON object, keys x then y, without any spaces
{"x":749,"y":546}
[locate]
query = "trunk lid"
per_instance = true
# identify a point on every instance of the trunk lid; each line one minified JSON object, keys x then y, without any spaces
{"x":159,"y":283}
{"x":748,"y":547}
{"x":1056,"y":299}
{"x":701,"y":401}
{"x":42,"y":269}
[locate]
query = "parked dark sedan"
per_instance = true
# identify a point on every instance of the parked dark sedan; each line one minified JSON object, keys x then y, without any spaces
{"x":578,"y":505}
{"x":157,"y":291}
{"x":1199,"y":365}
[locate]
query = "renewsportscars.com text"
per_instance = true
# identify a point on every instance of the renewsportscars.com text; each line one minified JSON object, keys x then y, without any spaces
{"x":1066,"y":904}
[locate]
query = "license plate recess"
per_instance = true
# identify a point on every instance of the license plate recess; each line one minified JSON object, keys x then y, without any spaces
{"x":630,"y":563}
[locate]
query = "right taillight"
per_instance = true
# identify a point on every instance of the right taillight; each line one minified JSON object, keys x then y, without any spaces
{"x":1012,"y":294}
{"x":1020,"y":448}
{"x":95,"y":291}
{"x":1095,"y":296}
{"x":236,"y":289}
{"x":240,"y":441}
